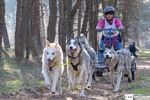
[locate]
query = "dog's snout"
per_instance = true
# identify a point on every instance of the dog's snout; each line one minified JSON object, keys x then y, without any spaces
{"x":107,"y":56}
{"x":48,"y":59}
{"x":71,"y":47}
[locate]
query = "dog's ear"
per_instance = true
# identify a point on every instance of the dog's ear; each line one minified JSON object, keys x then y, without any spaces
{"x":47,"y":43}
{"x":68,"y":40}
{"x":82,"y":35}
{"x":112,"y":47}
{"x":56,"y":45}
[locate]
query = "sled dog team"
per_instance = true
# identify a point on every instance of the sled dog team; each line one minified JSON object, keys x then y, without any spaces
{"x":80,"y":60}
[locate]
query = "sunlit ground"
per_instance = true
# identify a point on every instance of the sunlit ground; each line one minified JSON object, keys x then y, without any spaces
{"x":146,"y":1}
{"x":26,"y":79}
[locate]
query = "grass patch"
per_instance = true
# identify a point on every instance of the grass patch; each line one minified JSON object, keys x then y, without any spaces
{"x":140,"y":87}
{"x":142,"y":84}
{"x":10,"y":86}
{"x":16,"y":77}
{"x":144,"y":54}
{"x":143,"y":91}
{"x":17,"y":85}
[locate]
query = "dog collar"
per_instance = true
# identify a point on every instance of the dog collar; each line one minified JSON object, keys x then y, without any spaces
{"x":51,"y":66}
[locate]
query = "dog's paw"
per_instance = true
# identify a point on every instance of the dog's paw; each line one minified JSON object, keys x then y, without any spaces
{"x":113,"y":85}
{"x":77,"y":86}
{"x":115,"y":90}
{"x":52,"y":92}
{"x":88,"y":87}
{"x":82,"y":94}
{"x":129,"y":80}
{"x":47,"y":86}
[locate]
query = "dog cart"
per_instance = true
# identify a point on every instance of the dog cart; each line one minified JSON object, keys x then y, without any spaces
{"x":100,"y":67}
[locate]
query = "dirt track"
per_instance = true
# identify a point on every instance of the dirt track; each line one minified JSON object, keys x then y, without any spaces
{"x":102,"y":90}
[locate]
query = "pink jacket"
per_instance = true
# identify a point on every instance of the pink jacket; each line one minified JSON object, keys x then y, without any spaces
{"x":117,"y":22}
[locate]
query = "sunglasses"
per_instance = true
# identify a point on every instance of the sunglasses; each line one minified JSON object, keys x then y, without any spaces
{"x":110,"y":13}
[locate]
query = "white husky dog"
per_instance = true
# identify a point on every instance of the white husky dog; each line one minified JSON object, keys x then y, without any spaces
{"x":52,"y":63}
{"x":79,"y":64}
{"x":118,"y":61}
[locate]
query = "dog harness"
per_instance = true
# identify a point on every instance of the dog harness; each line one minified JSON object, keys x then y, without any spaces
{"x":75,"y":66}
{"x":52,"y":64}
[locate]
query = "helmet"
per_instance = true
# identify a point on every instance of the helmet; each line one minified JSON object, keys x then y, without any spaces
{"x":109,"y":9}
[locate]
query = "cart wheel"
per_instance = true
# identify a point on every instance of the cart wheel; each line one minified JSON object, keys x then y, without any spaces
{"x":133,"y":65}
{"x":133,"y":75}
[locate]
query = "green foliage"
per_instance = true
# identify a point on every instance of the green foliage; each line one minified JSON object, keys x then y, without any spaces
{"x":142,"y":91}
{"x":142,"y":86}
{"x":145,"y":54}
{"x":16,"y":77}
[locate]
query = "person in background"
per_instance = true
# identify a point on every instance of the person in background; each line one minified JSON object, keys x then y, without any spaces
{"x":133,"y":49}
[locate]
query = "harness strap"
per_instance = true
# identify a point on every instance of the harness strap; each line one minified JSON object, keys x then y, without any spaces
{"x":75,"y":66}
{"x":116,"y":65}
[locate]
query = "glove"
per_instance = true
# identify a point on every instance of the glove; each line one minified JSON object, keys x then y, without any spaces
{"x":120,"y":30}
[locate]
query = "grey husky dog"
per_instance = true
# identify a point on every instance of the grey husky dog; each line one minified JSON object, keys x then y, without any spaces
{"x":78,"y":65}
{"x":118,"y":61}
{"x":93,"y":58}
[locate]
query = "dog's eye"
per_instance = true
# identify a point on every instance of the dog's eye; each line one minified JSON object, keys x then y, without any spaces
{"x":53,"y":53}
{"x":47,"y":53}
{"x":74,"y":43}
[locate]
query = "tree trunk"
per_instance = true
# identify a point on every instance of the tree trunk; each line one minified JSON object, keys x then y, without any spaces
{"x":70,"y":17}
{"x":125,"y":17}
{"x":85,"y":20}
{"x":79,"y":18}
{"x":93,"y":15}
{"x":18,"y":29}
{"x":104,"y":3}
{"x":62,"y":25}
{"x":3,"y":31}
{"x":4,"y":52}
{"x":51,"y":31}
{"x":27,"y":35}
{"x":2,"y":7}
{"x":5,"y":34}
{"x":21,"y":29}
{"x":6,"y":38}
{"x":35,"y":43}
{"x":42,"y":23}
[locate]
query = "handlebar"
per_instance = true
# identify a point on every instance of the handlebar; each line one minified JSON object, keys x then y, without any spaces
{"x":110,"y":31}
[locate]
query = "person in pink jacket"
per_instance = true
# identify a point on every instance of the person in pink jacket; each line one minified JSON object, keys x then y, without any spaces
{"x":109,"y":21}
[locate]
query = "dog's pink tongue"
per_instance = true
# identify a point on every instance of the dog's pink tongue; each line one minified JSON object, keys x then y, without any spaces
{"x":49,"y":62}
